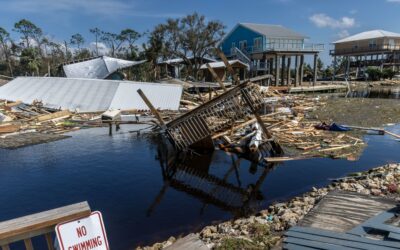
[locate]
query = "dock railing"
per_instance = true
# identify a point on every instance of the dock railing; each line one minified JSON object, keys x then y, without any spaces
{"x":39,"y":224}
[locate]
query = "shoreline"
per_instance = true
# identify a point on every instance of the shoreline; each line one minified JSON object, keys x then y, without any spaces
{"x":265,"y":229}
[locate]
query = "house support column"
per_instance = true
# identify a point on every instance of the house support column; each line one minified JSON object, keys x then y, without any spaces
{"x":334,"y":68}
{"x":283,"y":70}
{"x":289,"y":61}
{"x":276,"y":70}
{"x":296,"y":66}
{"x":271,"y":66}
{"x":315,"y":69}
{"x":301,"y":69}
{"x":347,"y":67}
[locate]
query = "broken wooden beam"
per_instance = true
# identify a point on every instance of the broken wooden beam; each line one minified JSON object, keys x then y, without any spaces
{"x":152,"y":108}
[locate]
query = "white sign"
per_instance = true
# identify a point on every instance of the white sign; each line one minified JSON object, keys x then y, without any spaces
{"x":83,"y":234}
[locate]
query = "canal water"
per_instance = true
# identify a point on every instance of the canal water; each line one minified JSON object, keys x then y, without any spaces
{"x":145,"y":196}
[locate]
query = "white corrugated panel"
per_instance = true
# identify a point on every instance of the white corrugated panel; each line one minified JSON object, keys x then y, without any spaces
{"x":162,"y":96}
{"x":114,"y":64}
{"x":74,"y":94}
{"x":98,"y":68}
{"x":95,"y":69}
{"x":90,"y":95}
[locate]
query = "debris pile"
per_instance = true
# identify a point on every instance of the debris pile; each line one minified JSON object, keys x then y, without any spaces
{"x":22,"y":124}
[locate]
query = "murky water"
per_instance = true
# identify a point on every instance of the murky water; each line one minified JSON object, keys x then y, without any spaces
{"x":145,"y":196}
{"x":377,"y":92}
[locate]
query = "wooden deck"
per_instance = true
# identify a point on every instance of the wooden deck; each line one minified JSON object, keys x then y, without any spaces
{"x":341,"y":211}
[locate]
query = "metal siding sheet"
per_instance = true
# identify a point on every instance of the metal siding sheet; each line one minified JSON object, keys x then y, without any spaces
{"x":95,"y":68}
{"x":162,"y":96}
{"x":89,"y":95}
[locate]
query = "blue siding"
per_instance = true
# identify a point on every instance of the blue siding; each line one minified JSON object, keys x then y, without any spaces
{"x":239,"y":34}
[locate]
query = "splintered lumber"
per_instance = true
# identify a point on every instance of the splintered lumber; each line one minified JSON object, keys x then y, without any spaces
{"x":335,"y":148}
{"x":286,"y":158}
{"x":13,"y":104}
{"x":53,"y":116}
{"x":228,"y":66}
{"x":10,"y":128}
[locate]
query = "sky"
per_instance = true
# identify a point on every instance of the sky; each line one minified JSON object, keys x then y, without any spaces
{"x":323,"y":21}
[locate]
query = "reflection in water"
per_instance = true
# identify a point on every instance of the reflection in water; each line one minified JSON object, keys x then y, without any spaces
{"x":189,"y":173}
{"x":386,"y":93}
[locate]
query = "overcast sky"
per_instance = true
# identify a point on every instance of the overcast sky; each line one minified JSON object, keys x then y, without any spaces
{"x":323,"y":21}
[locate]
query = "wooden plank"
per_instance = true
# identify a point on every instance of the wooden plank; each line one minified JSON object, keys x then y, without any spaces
{"x":317,"y":245}
{"x":290,"y":246}
{"x":49,"y":241}
{"x":152,"y":108}
{"x":392,"y":134}
{"x":342,"y":236}
{"x":215,"y":76}
{"x":357,"y":242}
{"x":228,"y":66}
{"x":28,"y":244}
{"x":10,"y":128}
{"x":40,"y":223}
{"x":56,"y":115}
{"x":341,"y":211}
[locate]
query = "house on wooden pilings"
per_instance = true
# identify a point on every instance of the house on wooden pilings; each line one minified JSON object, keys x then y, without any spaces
{"x":376,"y":48}
{"x":269,"y":49}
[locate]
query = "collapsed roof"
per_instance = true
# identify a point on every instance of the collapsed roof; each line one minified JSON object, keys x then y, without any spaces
{"x":233,"y":63}
{"x":97,"y":68}
{"x":91,"y":95}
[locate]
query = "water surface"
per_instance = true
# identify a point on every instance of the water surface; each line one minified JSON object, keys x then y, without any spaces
{"x":142,"y":201}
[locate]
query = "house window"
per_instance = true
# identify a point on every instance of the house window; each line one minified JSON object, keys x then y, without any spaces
{"x":372,"y":43}
{"x":233,"y":45}
{"x":243,"y":45}
{"x":258,"y":43}
{"x":392,"y":43}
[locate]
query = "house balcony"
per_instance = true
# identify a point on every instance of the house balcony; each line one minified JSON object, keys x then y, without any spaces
{"x":377,"y":49}
{"x":273,"y":47}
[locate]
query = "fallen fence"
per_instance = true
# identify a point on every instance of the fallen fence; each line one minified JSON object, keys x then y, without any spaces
{"x":199,"y":125}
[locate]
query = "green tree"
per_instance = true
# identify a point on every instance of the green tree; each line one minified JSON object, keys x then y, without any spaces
{"x":189,"y":37}
{"x":97,"y":33}
{"x":5,"y":42}
{"x":130,"y":36}
{"x":30,"y":61}
{"x":29,"y":31}
{"x":77,"y":40}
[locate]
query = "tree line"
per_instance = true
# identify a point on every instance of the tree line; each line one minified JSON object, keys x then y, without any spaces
{"x":36,"y":53}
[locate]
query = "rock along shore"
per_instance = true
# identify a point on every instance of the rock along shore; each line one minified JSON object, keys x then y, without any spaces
{"x":265,"y":229}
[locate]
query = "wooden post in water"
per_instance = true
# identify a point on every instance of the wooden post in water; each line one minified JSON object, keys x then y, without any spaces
{"x":152,"y":109}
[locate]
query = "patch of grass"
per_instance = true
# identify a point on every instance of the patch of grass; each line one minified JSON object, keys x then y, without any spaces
{"x":69,"y":124}
{"x":237,"y":244}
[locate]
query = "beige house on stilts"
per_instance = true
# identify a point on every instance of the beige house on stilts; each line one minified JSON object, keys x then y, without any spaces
{"x":378,"y":48}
